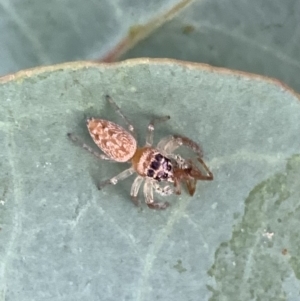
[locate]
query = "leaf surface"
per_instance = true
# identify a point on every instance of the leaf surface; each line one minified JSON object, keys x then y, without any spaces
{"x":62,"y":239}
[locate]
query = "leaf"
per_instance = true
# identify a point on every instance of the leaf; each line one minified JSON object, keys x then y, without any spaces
{"x":251,"y":36}
{"x":62,"y":239}
{"x":35,"y":33}
{"x":259,"y":246}
{"x":254,"y":36}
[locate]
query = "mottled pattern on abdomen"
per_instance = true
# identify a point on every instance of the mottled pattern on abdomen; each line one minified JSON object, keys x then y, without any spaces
{"x":112,"y":139}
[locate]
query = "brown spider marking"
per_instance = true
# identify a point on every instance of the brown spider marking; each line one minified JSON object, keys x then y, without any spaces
{"x":187,"y":171}
{"x":152,"y":165}
{"x":189,"y":175}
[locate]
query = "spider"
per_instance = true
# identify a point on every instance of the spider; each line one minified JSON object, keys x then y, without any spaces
{"x":153,"y":165}
{"x":185,"y":170}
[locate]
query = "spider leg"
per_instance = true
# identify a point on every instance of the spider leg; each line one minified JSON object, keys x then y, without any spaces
{"x":153,"y":122}
{"x":78,"y":142}
{"x":190,"y":144}
{"x":135,"y":189}
{"x":185,"y":171}
{"x":120,"y":113}
{"x":170,"y":143}
{"x":191,"y":185}
{"x":114,"y":180}
{"x":165,"y":190}
{"x":177,"y":185}
{"x":148,"y":193}
{"x":209,"y":176}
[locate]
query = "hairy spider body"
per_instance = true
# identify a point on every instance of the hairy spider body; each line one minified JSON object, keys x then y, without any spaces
{"x":149,"y":162}
{"x":112,"y":139}
{"x":153,"y":165}
{"x":121,"y":146}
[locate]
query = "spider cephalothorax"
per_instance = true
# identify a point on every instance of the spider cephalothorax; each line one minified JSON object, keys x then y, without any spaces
{"x":153,"y":165}
{"x":149,"y":162}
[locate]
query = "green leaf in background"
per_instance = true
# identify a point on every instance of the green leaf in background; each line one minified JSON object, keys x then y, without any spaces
{"x":62,"y":239}
{"x":34,"y":33}
{"x":255,"y":36}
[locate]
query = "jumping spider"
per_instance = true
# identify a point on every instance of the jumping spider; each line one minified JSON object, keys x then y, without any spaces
{"x":153,"y":165}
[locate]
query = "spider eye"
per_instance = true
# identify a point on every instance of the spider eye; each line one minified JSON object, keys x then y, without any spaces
{"x":169,"y":167}
{"x":155,"y":165}
{"x":159,"y":157}
{"x":165,"y":176}
{"x":150,"y":173}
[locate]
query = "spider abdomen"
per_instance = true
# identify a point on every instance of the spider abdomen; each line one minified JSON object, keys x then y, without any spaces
{"x":112,"y":139}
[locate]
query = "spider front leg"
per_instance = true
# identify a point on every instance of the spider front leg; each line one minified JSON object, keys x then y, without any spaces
{"x":165,"y":190}
{"x":209,"y":176}
{"x":148,"y":193}
{"x":169,"y":144}
{"x":153,"y":122}
{"x":135,"y":187}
